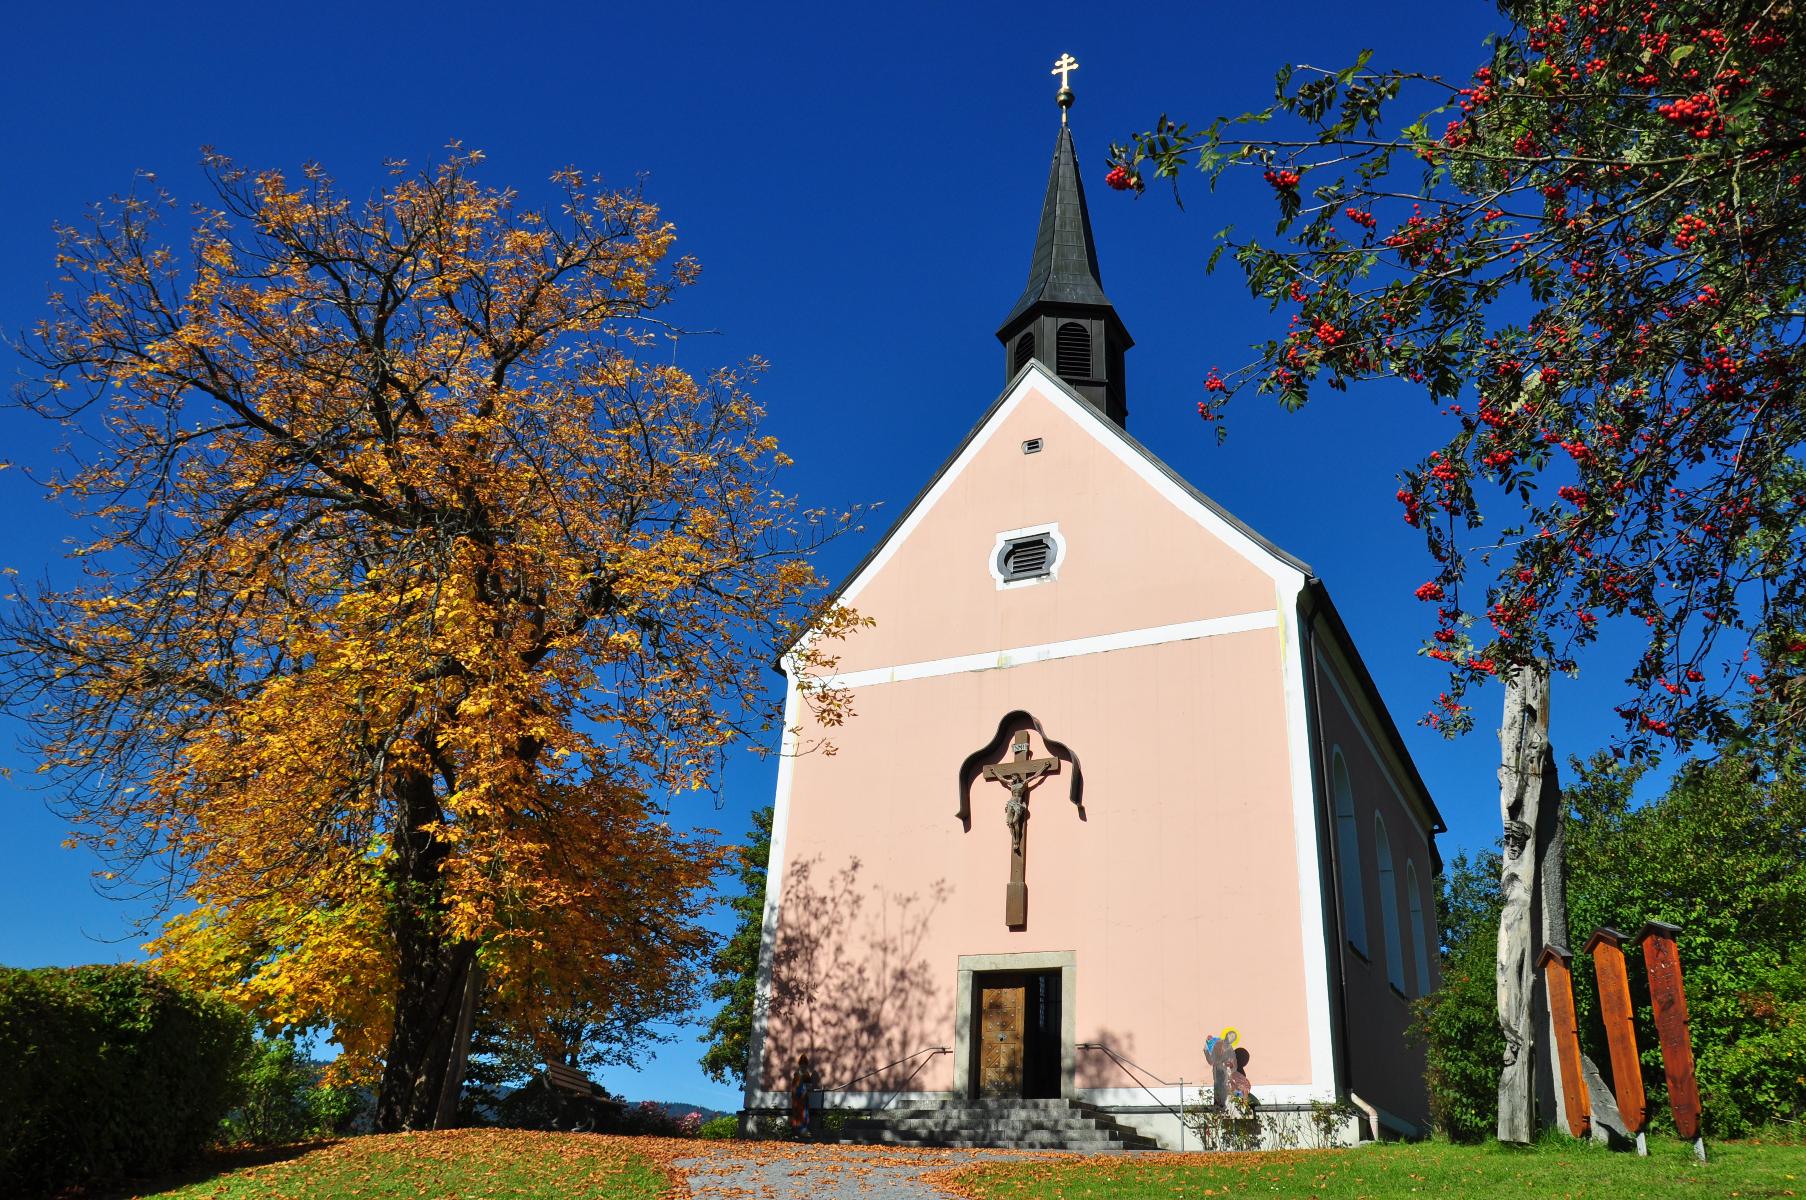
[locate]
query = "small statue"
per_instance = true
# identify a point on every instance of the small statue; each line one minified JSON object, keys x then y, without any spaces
{"x":1228,"y":1068}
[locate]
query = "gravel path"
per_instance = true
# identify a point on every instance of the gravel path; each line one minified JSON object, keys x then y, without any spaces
{"x":781,"y":1171}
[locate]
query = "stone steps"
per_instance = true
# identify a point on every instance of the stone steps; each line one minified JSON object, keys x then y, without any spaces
{"x":1015,"y":1124}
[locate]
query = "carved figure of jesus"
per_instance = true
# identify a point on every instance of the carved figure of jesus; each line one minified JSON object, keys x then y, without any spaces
{"x":1018,"y":774}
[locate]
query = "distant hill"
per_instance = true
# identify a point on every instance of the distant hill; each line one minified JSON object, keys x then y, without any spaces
{"x":676,"y":1110}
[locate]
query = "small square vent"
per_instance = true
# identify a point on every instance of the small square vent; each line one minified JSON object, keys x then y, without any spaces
{"x":1032,"y":446}
{"x":1026,"y":557}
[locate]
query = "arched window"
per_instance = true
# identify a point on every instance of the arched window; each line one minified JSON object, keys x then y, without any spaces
{"x":1072,"y":350}
{"x":1419,"y":942}
{"x":1025,"y":350}
{"x":1395,"y":958}
{"x":1348,"y":850}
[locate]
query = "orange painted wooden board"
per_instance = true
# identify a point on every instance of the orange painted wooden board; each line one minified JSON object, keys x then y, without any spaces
{"x":1620,"y":1032}
{"x":1558,"y":981}
{"x":1669,"y":999}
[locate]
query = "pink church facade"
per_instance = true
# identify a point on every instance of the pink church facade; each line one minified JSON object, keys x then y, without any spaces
{"x":1215,"y":717}
{"x":1117,"y":782}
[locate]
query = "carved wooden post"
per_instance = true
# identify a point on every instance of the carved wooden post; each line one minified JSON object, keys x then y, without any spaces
{"x":1620,"y":1030}
{"x":1558,"y":984}
{"x":1523,"y":744}
{"x":1669,"y":999}
{"x":1552,"y":1089}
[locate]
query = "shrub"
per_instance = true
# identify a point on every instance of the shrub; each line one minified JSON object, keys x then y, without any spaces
{"x":649,"y":1118}
{"x":284,"y":1100}
{"x":1459,"y":1026}
{"x":274,"y":1107}
{"x":109,"y":1072}
{"x":723,"y":1128}
{"x":534,"y":1105}
{"x":1458,"y":1022}
{"x":339,"y":1108}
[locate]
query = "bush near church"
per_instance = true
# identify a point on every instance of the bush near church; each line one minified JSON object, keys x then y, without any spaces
{"x":1458,"y":1022}
{"x":108,"y":1072}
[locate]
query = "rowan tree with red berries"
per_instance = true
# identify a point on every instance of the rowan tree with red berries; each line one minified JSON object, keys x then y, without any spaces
{"x":1589,"y":255}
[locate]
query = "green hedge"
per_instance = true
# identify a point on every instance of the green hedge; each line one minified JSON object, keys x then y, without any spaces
{"x":109,"y":1072}
{"x":720,"y":1128}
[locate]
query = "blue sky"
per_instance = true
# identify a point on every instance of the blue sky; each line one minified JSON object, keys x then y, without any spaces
{"x":861,"y":184}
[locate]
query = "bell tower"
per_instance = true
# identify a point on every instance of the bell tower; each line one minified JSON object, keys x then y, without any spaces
{"x":1063,"y":317}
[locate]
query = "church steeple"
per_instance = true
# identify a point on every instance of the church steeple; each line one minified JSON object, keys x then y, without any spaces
{"x":1063,"y":317}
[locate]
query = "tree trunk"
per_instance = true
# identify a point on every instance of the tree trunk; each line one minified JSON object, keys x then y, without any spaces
{"x":1524,"y":747}
{"x":430,"y":969}
{"x":452,"y":1088}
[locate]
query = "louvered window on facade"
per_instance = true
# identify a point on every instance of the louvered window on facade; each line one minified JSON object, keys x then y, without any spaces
{"x":1072,"y":349}
{"x":1026,"y":558}
{"x":1025,"y":349}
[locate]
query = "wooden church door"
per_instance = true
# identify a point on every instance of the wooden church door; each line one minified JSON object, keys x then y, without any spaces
{"x":1001,"y":1009}
{"x":1016,"y":1026}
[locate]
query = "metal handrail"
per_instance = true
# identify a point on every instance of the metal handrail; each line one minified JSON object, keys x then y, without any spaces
{"x":841,"y":1087}
{"x":1130,"y":1066}
{"x":1125,"y":1061}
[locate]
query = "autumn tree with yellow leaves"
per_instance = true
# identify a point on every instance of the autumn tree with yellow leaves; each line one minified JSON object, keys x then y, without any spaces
{"x":417,"y":580}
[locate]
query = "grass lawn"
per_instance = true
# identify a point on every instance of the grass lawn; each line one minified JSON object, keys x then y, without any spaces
{"x":462,"y":1163}
{"x":1742,"y":1169}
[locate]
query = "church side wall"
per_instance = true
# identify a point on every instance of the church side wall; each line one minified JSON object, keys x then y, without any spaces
{"x":1175,"y":889}
{"x":1384,"y":1067}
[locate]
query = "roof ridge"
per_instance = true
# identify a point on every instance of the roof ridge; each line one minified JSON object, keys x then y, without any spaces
{"x":1064,"y":267}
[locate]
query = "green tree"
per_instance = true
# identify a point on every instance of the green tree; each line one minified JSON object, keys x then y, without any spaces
{"x":1457,"y":1022}
{"x":1589,"y":256}
{"x":1722,"y":855}
{"x":414,"y":587}
{"x":737,"y":962}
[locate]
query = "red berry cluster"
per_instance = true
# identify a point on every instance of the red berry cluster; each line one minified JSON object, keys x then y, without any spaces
{"x":1365,"y":220}
{"x":1214,"y":382}
{"x":1687,"y":230}
{"x":1428,"y":591}
{"x":1122,"y":180}
{"x":1282,"y":180}
{"x":1698,"y":114}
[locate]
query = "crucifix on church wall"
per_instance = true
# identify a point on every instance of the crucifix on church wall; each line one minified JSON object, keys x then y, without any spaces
{"x":1021,"y":773}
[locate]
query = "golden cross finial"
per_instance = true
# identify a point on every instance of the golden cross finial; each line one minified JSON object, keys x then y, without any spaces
{"x":1063,"y":66}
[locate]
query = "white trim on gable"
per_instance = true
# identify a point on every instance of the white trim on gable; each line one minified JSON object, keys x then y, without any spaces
{"x":1036,"y":379}
{"x":774,"y":889}
{"x":1306,"y":813}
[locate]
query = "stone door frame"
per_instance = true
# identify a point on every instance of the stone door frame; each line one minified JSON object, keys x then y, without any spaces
{"x":1063,"y":961}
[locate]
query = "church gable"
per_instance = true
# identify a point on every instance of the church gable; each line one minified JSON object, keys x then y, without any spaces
{"x":1129,"y":547}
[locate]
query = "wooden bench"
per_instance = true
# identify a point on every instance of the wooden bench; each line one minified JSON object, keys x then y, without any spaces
{"x":584,"y":1100}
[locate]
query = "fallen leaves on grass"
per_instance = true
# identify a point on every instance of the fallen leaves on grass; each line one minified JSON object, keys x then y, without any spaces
{"x":471,"y":1164}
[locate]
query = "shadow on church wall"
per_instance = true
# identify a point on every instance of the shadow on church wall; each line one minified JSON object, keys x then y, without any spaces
{"x":1096,"y":1068}
{"x":849,"y":984}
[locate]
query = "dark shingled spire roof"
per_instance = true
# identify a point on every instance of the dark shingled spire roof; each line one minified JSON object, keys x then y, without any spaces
{"x":1065,"y":264}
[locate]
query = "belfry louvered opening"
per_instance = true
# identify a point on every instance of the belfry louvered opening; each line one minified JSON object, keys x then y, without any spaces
{"x":1026,"y":557}
{"x":1025,"y":349}
{"x":1072,"y":351}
